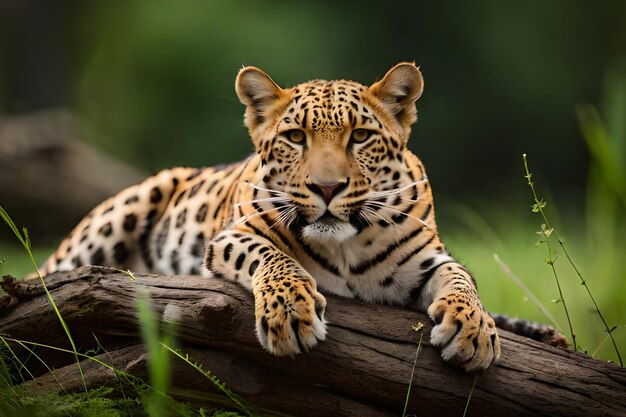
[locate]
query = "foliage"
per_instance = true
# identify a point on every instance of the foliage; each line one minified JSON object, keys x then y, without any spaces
{"x":21,"y":402}
{"x":154,"y":79}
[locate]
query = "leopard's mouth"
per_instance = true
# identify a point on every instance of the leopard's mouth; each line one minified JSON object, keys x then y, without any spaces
{"x":327,"y":218}
{"x":328,"y":228}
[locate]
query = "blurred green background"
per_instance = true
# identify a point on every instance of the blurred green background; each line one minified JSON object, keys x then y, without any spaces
{"x":151,"y":82}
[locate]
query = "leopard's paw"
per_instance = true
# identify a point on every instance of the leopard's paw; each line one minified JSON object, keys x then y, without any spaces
{"x":465,"y":334}
{"x":290,"y":318}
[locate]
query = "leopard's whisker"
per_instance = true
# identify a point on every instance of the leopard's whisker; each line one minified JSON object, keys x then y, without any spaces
{"x":281,"y":218}
{"x":385,"y":206}
{"x":294,"y":216}
{"x":290,"y":215}
{"x":256,"y":213}
{"x":371,"y":212}
{"x":365,"y":218}
{"x":394,"y":191}
{"x":368,"y":216}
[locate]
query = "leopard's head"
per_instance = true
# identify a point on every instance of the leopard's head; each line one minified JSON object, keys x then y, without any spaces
{"x":332,"y":152}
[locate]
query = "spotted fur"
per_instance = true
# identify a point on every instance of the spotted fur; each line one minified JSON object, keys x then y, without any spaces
{"x":331,"y":200}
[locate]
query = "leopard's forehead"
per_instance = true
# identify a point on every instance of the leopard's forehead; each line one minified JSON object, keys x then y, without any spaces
{"x":327,"y":89}
{"x":329,"y":105}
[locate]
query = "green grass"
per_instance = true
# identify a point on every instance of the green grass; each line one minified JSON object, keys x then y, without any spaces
{"x":514,"y":240}
{"x":99,"y":402}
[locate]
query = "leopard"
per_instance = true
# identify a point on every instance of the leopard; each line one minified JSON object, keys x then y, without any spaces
{"x":331,"y":201}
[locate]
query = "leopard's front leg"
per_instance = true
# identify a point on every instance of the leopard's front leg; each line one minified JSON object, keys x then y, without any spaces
{"x":464,"y":331}
{"x":289,"y":310}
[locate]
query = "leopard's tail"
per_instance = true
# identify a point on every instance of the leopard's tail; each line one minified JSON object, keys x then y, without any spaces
{"x":536,"y":331}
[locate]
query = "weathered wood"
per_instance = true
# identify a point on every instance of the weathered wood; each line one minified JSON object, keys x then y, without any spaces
{"x":251,"y":380}
{"x":362,"y":368}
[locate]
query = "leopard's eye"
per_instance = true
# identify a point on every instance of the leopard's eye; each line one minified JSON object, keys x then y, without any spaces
{"x":360,"y":135}
{"x":295,"y":136}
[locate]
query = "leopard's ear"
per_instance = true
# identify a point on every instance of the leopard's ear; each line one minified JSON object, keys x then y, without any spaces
{"x":399,"y":89}
{"x":258,"y":92}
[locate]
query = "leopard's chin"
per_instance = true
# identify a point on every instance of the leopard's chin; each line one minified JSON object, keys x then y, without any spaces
{"x":328,"y":229}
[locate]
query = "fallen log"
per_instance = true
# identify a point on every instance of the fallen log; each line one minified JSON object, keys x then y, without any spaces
{"x":362,"y":368}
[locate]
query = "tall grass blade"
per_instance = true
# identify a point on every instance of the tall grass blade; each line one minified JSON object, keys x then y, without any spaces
{"x":158,"y":359}
{"x":50,"y":371}
{"x":25,"y":241}
{"x":17,"y":360}
{"x":614,"y":106}
{"x":207,"y":374}
{"x":5,"y":372}
{"x":531,"y":296}
{"x":602,"y":150}
{"x":595,"y":352}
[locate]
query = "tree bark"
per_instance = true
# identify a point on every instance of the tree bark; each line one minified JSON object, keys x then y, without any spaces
{"x":362,"y":368}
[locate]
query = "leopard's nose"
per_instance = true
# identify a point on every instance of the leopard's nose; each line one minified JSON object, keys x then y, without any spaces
{"x":328,"y":190}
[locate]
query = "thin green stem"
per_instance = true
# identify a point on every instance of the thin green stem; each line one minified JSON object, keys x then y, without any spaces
{"x":608,"y":329}
{"x":546,"y":232}
{"x":551,"y":261}
{"x":419,"y":327}
{"x":539,"y":205}
{"x":469,"y":397}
